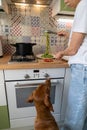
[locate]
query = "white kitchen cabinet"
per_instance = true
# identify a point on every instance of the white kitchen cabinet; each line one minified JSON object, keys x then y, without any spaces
{"x":4,"y":119}
{"x":59,"y":7}
{"x":2,"y":89}
{"x":1,"y":77}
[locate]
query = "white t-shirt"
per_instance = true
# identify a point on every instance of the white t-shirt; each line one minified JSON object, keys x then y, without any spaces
{"x":80,"y":25}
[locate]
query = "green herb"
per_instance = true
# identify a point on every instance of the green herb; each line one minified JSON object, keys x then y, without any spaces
{"x":47,"y":56}
{"x":47,"y":51}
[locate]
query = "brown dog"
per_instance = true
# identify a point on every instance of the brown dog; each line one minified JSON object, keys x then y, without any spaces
{"x":41,"y":97}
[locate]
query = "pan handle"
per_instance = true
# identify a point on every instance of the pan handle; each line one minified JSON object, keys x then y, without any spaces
{"x":33,"y":43}
{"x":13,"y":45}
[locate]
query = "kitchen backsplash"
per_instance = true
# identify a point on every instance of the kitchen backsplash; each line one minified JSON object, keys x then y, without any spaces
{"x":27,"y":24}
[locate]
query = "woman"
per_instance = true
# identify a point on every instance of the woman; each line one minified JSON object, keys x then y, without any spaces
{"x":76,"y":113}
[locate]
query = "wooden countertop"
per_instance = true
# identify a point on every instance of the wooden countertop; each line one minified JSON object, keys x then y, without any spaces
{"x":4,"y":64}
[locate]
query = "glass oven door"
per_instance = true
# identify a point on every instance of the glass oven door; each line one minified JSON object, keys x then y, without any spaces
{"x":18,"y":92}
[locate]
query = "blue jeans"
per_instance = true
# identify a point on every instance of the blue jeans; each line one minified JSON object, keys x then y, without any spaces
{"x":76,"y":113}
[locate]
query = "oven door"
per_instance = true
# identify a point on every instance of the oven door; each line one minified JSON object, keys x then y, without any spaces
{"x":18,"y":92}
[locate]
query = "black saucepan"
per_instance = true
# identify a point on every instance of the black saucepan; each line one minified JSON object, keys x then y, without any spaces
{"x":24,"y":49}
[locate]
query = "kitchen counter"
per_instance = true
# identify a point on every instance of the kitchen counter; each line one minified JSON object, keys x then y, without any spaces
{"x":4,"y":64}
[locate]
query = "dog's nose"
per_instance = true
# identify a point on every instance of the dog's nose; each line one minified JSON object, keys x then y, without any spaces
{"x":30,"y":98}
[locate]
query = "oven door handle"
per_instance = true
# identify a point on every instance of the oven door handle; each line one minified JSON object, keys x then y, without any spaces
{"x":26,"y":85}
{"x":32,"y":84}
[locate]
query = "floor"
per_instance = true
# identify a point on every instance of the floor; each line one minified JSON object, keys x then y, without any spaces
{"x":31,"y":127}
{"x":24,"y":128}
{"x":21,"y":128}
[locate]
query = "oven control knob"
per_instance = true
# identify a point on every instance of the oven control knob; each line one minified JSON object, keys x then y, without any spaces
{"x":46,"y":75}
{"x":26,"y":76}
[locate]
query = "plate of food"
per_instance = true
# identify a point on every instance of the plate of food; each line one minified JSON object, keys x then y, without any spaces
{"x":45,"y":56}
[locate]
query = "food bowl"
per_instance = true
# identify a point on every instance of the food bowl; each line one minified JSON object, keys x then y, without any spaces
{"x":48,"y":59}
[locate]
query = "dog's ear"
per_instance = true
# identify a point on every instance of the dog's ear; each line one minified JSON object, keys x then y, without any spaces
{"x":30,"y":98}
{"x":47,"y":102}
{"x":48,"y":86}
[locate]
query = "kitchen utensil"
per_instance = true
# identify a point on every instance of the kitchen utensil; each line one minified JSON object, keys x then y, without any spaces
{"x":50,"y":32}
{"x":24,"y":49}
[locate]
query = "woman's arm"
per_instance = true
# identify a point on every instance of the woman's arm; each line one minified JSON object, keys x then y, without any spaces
{"x":75,"y":43}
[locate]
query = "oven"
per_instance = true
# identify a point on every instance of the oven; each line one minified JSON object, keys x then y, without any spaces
{"x":21,"y":83}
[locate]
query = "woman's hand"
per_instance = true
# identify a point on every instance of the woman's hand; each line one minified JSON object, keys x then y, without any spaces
{"x":59,"y":55}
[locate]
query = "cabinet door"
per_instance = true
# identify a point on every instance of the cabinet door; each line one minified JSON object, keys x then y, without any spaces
{"x":4,"y":119}
{"x":2,"y":89}
{"x":1,"y":77}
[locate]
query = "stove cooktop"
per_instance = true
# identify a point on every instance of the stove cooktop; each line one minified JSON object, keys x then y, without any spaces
{"x":19,"y":58}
